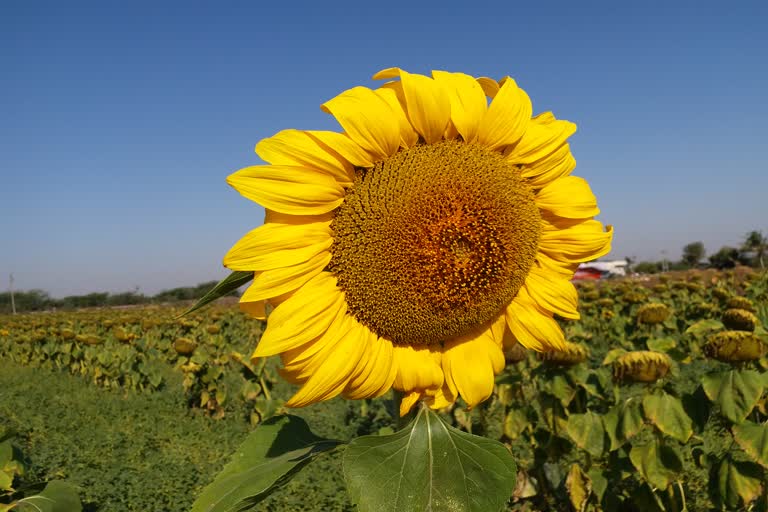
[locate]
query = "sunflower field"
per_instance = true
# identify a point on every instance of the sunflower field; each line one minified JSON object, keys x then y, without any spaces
{"x":658,"y":403}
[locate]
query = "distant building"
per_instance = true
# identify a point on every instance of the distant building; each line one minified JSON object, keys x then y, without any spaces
{"x":601,"y":269}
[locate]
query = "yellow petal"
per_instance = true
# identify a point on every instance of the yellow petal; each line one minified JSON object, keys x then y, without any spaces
{"x":335,"y":370}
{"x":489,"y":85}
{"x":393,"y":95}
{"x":288,"y":189}
{"x":557,"y":164}
{"x":344,"y":146}
{"x":417,"y":368}
{"x":540,"y":139}
{"x":468,"y":102}
{"x":552,"y":292}
{"x":428,"y":104}
{"x":408,"y":401}
{"x":272,"y":283}
{"x":441,"y":398}
{"x":301,"y":361}
{"x":569,"y":197}
{"x":368,"y":120}
{"x":387,"y":73}
{"x":575,"y":242}
{"x":297,"y":148}
{"x":471,"y":364}
{"x":507,"y":117}
{"x":304,"y":316}
{"x":374,"y":375}
{"x":279,"y":245}
{"x":256,"y":309}
{"x":271,"y":216}
{"x":533,"y":327}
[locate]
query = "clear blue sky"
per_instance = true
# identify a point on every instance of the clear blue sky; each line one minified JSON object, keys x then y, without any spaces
{"x":119,"y":121}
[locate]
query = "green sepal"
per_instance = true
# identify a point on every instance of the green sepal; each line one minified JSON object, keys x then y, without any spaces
{"x":229,"y":284}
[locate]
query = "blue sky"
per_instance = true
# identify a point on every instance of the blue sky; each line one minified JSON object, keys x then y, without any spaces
{"x":119,"y":121}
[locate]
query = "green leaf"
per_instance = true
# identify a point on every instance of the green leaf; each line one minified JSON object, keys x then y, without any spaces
{"x":428,"y":465}
{"x":269,"y":457}
{"x":599,"y":482}
{"x":661,"y":344}
{"x":667,"y":413}
{"x":229,"y":284}
{"x":738,"y":483}
{"x":6,"y":480}
{"x":559,"y":387}
{"x":658,"y":464}
{"x":613,"y":355}
{"x":57,"y":496}
{"x":735,"y":391}
{"x":630,"y":419}
{"x":587,"y":432}
{"x":515,"y":423}
{"x":753,"y":439}
{"x":704,"y":326}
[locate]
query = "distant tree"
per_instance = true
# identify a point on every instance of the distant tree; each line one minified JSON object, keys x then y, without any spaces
{"x":726,"y":257}
{"x":647,"y":267}
{"x":693,"y":253}
{"x":756,"y":242}
{"x":32,"y":300}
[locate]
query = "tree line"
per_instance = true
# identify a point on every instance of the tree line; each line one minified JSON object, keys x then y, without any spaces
{"x":40,"y":300}
{"x":751,"y":252}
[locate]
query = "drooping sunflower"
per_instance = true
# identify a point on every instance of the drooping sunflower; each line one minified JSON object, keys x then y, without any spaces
{"x":407,"y":251}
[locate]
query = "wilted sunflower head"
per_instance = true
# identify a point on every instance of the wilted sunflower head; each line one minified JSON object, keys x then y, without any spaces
{"x":652,"y":314}
{"x":734,"y":346}
{"x":184,"y":346}
{"x":439,"y":227}
{"x":633,"y":297}
{"x":721,"y":293}
{"x":703,"y":309}
{"x":641,"y":366}
{"x":738,"y":302}
{"x":569,"y":355}
{"x":739,"y":320}
{"x":515,"y":353}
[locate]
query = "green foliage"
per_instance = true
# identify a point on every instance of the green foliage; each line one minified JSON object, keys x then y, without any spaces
{"x":693,"y":253}
{"x":428,"y":465}
{"x":56,"y":497}
{"x":271,"y":454}
{"x":693,"y":438}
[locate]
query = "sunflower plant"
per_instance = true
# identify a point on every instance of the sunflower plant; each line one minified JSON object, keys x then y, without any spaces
{"x":404,"y":254}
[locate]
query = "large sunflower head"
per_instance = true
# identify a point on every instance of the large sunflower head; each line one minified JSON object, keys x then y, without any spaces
{"x":441,"y":226}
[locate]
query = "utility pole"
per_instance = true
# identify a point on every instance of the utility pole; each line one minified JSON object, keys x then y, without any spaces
{"x":13,"y":301}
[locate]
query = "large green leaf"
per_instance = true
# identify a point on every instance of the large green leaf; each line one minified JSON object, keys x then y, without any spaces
{"x":704,"y":326}
{"x":229,"y":284}
{"x":587,"y":432}
{"x":269,"y":457}
{"x":57,"y":496}
{"x":735,"y":391}
{"x":667,"y":413}
{"x":630,"y":419}
{"x":428,"y":465}
{"x":658,"y":464}
{"x":738,"y":483}
{"x":753,"y":439}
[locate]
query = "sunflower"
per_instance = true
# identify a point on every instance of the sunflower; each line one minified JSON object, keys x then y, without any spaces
{"x":441,"y":226}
